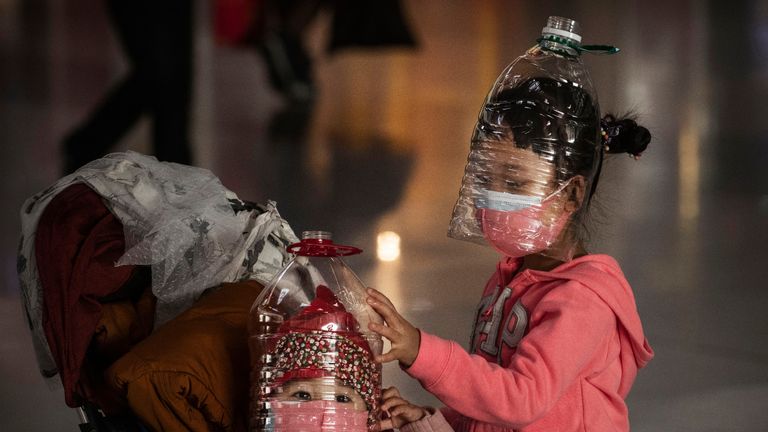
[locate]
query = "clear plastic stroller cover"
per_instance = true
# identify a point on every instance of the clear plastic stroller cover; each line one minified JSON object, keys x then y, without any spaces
{"x":534,"y":152}
{"x":312,"y":355}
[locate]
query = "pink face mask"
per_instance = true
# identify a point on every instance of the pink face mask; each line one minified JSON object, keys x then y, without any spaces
{"x":317,"y":416}
{"x":523,"y":231}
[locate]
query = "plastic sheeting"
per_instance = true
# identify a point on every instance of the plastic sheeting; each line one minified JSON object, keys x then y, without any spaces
{"x":180,"y":220}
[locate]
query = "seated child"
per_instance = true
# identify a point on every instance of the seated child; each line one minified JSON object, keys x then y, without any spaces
{"x":326,"y":378}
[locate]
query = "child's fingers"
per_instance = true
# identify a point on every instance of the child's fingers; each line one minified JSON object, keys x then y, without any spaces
{"x":389,"y":404}
{"x":404,"y":410}
{"x":399,"y":408}
{"x":390,"y":392}
{"x":379,"y":296}
{"x":386,"y":424}
{"x":387,"y":312}
{"x":387,"y":357}
{"x":373,"y":292}
{"x":387,"y":332}
{"x":391,"y":317}
{"x":407,"y":413}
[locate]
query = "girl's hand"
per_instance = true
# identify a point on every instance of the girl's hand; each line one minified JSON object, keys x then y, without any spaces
{"x":404,"y":337}
{"x":401,"y":412}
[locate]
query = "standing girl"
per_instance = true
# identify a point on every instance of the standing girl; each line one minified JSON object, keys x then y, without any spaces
{"x":557,"y":340}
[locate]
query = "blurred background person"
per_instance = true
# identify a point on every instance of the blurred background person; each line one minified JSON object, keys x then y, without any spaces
{"x":278,"y":31}
{"x":156,"y":39}
{"x":280,"y":36}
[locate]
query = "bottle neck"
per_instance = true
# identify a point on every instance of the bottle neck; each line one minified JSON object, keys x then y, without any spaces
{"x":559,"y":45}
{"x":316,"y":235}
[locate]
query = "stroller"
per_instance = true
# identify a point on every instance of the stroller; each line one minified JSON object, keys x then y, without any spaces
{"x":131,"y":352}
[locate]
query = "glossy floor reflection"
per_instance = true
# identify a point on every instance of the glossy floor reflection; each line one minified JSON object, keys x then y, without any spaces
{"x":383,"y":148}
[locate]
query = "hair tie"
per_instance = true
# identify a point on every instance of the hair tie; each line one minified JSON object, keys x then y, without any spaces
{"x":604,"y":138}
{"x":609,"y":130}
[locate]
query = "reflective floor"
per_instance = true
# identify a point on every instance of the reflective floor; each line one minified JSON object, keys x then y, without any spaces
{"x":383,"y":148}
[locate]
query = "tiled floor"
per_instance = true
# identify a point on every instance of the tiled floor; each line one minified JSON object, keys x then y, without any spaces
{"x":384,"y":147}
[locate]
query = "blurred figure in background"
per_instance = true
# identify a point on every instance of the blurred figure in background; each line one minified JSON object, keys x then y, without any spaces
{"x":156,"y":38}
{"x":277,"y":30}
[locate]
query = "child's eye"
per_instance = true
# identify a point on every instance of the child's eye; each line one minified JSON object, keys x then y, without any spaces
{"x":343,"y":398}
{"x":302,"y":395}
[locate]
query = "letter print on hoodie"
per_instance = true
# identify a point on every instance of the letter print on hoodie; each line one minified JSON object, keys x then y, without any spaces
{"x":490,"y":337}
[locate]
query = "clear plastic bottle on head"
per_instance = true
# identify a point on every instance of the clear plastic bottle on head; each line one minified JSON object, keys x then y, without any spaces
{"x":312,"y":355}
{"x":537,"y":133}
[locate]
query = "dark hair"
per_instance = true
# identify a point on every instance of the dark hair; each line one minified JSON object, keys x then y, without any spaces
{"x":624,"y":135}
{"x":620,"y":135}
{"x":561,"y":119}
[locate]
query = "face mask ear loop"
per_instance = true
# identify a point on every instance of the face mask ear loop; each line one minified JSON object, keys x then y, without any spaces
{"x":558,"y":190}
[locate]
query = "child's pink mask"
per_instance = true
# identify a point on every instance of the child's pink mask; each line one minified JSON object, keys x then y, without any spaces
{"x":519,"y":232}
{"x":318,"y":416}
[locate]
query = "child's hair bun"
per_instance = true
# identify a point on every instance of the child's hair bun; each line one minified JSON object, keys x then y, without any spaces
{"x":624,"y":135}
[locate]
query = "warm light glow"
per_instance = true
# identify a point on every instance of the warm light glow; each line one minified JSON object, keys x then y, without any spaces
{"x":388,"y":246}
{"x":689,"y":149}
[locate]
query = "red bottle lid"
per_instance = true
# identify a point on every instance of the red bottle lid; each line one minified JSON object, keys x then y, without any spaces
{"x":320,"y":244}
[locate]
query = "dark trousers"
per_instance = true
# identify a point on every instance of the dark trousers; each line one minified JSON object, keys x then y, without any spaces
{"x":156,"y":37}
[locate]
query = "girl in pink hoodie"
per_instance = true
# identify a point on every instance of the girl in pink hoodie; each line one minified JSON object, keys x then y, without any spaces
{"x":557,"y":340}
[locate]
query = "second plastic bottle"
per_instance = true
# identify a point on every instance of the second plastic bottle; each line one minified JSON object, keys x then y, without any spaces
{"x":312,"y":355}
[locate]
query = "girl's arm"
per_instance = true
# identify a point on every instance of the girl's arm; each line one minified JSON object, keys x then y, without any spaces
{"x":572,"y":324}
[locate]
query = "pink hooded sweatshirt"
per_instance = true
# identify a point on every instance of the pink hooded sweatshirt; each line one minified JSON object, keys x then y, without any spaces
{"x":551,"y":351}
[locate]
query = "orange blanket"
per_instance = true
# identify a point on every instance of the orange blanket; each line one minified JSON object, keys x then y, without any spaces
{"x":193,"y":372}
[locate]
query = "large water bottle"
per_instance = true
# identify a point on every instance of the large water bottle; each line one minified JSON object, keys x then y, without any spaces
{"x":312,"y":355}
{"x":538,"y":128}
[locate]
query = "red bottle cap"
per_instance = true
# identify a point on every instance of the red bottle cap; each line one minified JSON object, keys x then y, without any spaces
{"x":320,"y":244}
